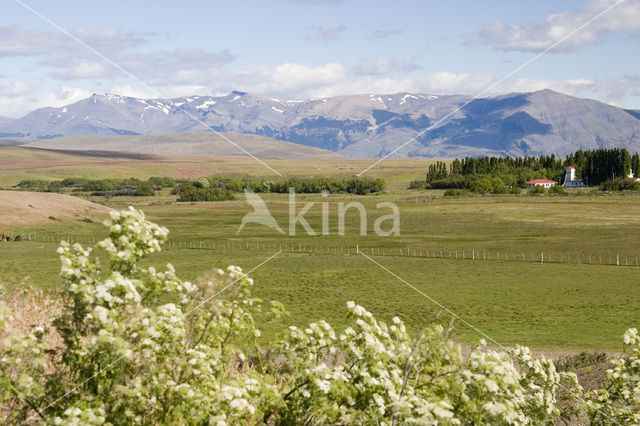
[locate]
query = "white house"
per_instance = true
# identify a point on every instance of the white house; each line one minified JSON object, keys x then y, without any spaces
{"x":570,"y":180}
{"x":541,"y":182}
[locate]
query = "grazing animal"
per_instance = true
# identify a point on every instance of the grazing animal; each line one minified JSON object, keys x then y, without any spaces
{"x":5,"y":236}
{"x":17,"y":238}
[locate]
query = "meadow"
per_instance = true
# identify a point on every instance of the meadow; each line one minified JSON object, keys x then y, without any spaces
{"x":560,"y":304}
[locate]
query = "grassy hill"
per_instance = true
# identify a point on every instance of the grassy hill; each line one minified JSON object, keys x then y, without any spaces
{"x":36,"y":208}
{"x":188,"y":143}
{"x":20,"y":162}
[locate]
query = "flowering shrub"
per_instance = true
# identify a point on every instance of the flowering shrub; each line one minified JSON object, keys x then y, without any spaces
{"x":619,"y":398}
{"x":138,"y":345}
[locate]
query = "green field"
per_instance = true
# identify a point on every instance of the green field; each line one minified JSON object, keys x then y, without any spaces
{"x":562,"y":304}
{"x":18,"y":163}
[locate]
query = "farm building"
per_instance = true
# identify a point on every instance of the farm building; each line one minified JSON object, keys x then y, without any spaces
{"x":631,"y":176}
{"x":541,"y":182}
{"x":570,"y":180}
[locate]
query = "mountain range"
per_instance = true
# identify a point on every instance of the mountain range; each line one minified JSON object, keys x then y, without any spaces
{"x":516,"y":124}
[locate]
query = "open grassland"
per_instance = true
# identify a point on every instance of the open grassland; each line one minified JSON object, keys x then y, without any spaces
{"x":551,"y":305}
{"x":19,"y":163}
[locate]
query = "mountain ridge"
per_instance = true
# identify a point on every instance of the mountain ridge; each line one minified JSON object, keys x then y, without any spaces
{"x":366,"y":125}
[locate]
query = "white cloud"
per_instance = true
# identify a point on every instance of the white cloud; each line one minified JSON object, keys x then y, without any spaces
{"x":68,"y":60}
{"x":177,"y":67}
{"x":81,"y":69}
{"x":299,"y":81}
{"x":128,"y":90}
{"x":302,"y":81}
{"x":18,"y":103}
{"x":288,"y":78}
{"x":539,"y":35}
{"x":13,"y":89}
{"x":384,"y":65}
{"x":15,"y":41}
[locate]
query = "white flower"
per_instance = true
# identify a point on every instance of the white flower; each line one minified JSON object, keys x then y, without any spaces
{"x":323,"y":385}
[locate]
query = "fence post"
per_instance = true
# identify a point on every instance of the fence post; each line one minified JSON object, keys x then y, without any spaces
{"x":473,"y":255}
{"x":617,"y":260}
{"x":542,"y":257}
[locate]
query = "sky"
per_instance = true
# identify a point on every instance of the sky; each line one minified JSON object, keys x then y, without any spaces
{"x":56,"y":53}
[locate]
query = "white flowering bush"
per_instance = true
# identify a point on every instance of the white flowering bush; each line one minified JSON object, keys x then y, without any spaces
{"x":138,"y":345}
{"x":619,"y":398}
{"x":378,"y":374}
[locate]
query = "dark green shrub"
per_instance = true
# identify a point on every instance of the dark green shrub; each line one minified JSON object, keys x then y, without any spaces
{"x":98,"y":186}
{"x":538,"y":189}
{"x":36,"y":185}
{"x":620,"y":184}
{"x":455,"y":192}
{"x":557,"y":190}
{"x":73,"y":182}
{"x":192,"y":193}
{"x":162,"y":182}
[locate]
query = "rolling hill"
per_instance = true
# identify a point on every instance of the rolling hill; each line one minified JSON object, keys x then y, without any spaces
{"x":187,"y":143}
{"x":30,"y":208}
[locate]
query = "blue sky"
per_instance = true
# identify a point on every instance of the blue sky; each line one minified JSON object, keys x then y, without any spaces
{"x":315,"y":48}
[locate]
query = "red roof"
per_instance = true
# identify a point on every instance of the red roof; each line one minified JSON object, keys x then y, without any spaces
{"x":542,"y":181}
{"x":570,"y":167}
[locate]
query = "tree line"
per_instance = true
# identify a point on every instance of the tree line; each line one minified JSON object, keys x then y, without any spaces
{"x":504,"y":173}
{"x":99,"y":187}
{"x":211,"y":188}
{"x":218,"y":188}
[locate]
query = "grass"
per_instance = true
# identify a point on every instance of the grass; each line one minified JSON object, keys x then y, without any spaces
{"x":551,"y":305}
{"x":21,"y":163}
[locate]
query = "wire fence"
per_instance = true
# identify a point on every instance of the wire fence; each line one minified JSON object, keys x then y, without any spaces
{"x":542,"y":257}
